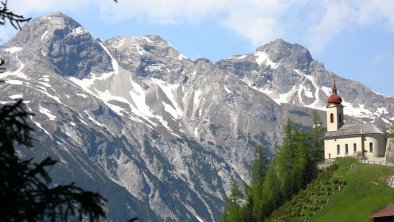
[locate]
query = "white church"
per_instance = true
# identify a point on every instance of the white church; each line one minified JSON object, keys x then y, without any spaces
{"x":350,"y":139}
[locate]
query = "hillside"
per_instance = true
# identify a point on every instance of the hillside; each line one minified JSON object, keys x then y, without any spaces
{"x":351,"y":192}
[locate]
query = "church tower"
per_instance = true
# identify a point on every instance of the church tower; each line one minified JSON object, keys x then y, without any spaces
{"x":334,"y":110}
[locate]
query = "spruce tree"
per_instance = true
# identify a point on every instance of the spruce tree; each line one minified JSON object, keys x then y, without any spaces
{"x":233,"y":211}
{"x":259,"y":171}
{"x":317,"y":137}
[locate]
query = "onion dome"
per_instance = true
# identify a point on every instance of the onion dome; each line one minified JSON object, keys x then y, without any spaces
{"x":334,"y":98}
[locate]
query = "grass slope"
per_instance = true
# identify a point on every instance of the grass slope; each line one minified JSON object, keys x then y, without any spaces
{"x":350,"y":192}
{"x":364,"y":194}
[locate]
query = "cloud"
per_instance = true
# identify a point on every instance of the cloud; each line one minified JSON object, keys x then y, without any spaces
{"x":310,"y":22}
{"x":44,"y":6}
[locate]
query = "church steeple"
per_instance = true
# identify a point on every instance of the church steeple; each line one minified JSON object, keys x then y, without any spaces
{"x":334,"y":88}
{"x":334,"y":110}
{"x":334,"y":98}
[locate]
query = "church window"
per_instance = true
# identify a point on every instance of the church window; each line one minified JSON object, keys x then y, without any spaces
{"x":346,"y":149}
{"x":354,"y":147}
{"x":338,"y":149}
{"x":340,"y":118}
{"x":370,"y":147}
{"x":331,"y":118}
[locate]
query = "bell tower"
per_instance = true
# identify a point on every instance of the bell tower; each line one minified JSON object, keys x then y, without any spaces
{"x":334,"y":110}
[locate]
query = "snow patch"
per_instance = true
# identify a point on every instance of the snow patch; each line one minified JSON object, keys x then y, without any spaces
{"x":155,"y":68}
{"x":14,"y":82}
{"x":227,"y":90}
{"x":140,"y":50}
{"x":82,"y":95}
{"x":182,"y":57}
{"x":93,"y":120}
{"x":169,"y":109}
{"x":78,"y":31}
{"x":262,"y":57}
{"x":326,"y":90}
{"x":170,"y":92}
{"x":242,"y":57}
{"x":196,"y":132}
{"x":358,"y":112}
{"x":39,"y":126}
{"x":16,"y":96}
{"x":46,"y":112}
{"x":44,"y":36}
{"x":44,"y":84}
{"x":13,"y":50}
{"x":115,"y":64}
{"x":196,"y":99}
{"x":146,"y":39}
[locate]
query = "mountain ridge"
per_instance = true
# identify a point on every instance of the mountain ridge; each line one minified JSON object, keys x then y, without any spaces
{"x":131,"y":115}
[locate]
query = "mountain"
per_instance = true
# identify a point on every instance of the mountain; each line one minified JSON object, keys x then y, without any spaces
{"x":159,"y":135}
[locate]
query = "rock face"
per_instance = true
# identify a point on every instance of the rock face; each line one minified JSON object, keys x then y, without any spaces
{"x":390,"y":151}
{"x":159,"y":135}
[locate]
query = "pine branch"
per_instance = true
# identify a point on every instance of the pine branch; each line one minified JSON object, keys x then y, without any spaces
{"x":14,"y":19}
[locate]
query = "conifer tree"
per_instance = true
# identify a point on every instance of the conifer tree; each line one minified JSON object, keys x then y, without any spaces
{"x":233,"y":211}
{"x":271,"y":193}
{"x":259,"y":170}
{"x":390,"y":130}
{"x":285,"y":160}
{"x":317,"y":137}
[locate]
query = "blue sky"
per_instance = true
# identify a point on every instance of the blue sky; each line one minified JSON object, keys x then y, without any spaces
{"x":353,"y":38}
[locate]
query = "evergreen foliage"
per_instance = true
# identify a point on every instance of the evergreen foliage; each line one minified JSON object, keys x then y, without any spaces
{"x":233,"y":212}
{"x":317,"y":137}
{"x":292,"y":169}
{"x":313,"y":198}
{"x":390,"y":131}
{"x":259,"y":171}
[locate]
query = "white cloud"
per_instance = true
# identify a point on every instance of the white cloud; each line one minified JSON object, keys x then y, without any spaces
{"x":336,"y":16}
{"x":310,"y":22}
{"x":44,"y":6}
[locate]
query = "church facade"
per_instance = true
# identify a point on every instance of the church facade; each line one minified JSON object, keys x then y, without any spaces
{"x":350,"y":139}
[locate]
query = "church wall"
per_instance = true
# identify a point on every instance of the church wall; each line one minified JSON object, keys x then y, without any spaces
{"x":378,"y":144}
{"x":330,"y":147}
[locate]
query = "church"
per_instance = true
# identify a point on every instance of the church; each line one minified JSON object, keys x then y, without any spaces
{"x":350,"y":139}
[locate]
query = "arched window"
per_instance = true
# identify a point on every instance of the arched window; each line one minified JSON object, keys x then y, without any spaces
{"x":331,"y":118}
{"x":338,"y":149}
{"x":371,"y":147}
{"x":354,"y":147}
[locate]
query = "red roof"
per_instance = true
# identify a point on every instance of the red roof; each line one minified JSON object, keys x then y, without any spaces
{"x":385,"y":212}
{"x":334,"y":99}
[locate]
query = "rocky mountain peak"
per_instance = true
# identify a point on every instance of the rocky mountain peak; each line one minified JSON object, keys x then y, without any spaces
{"x":64,"y":43}
{"x":280,"y":51}
{"x":147,"y":56}
{"x":55,"y":25}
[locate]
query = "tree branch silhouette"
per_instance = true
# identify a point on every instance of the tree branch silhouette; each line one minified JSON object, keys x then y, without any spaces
{"x":14,"y":19}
